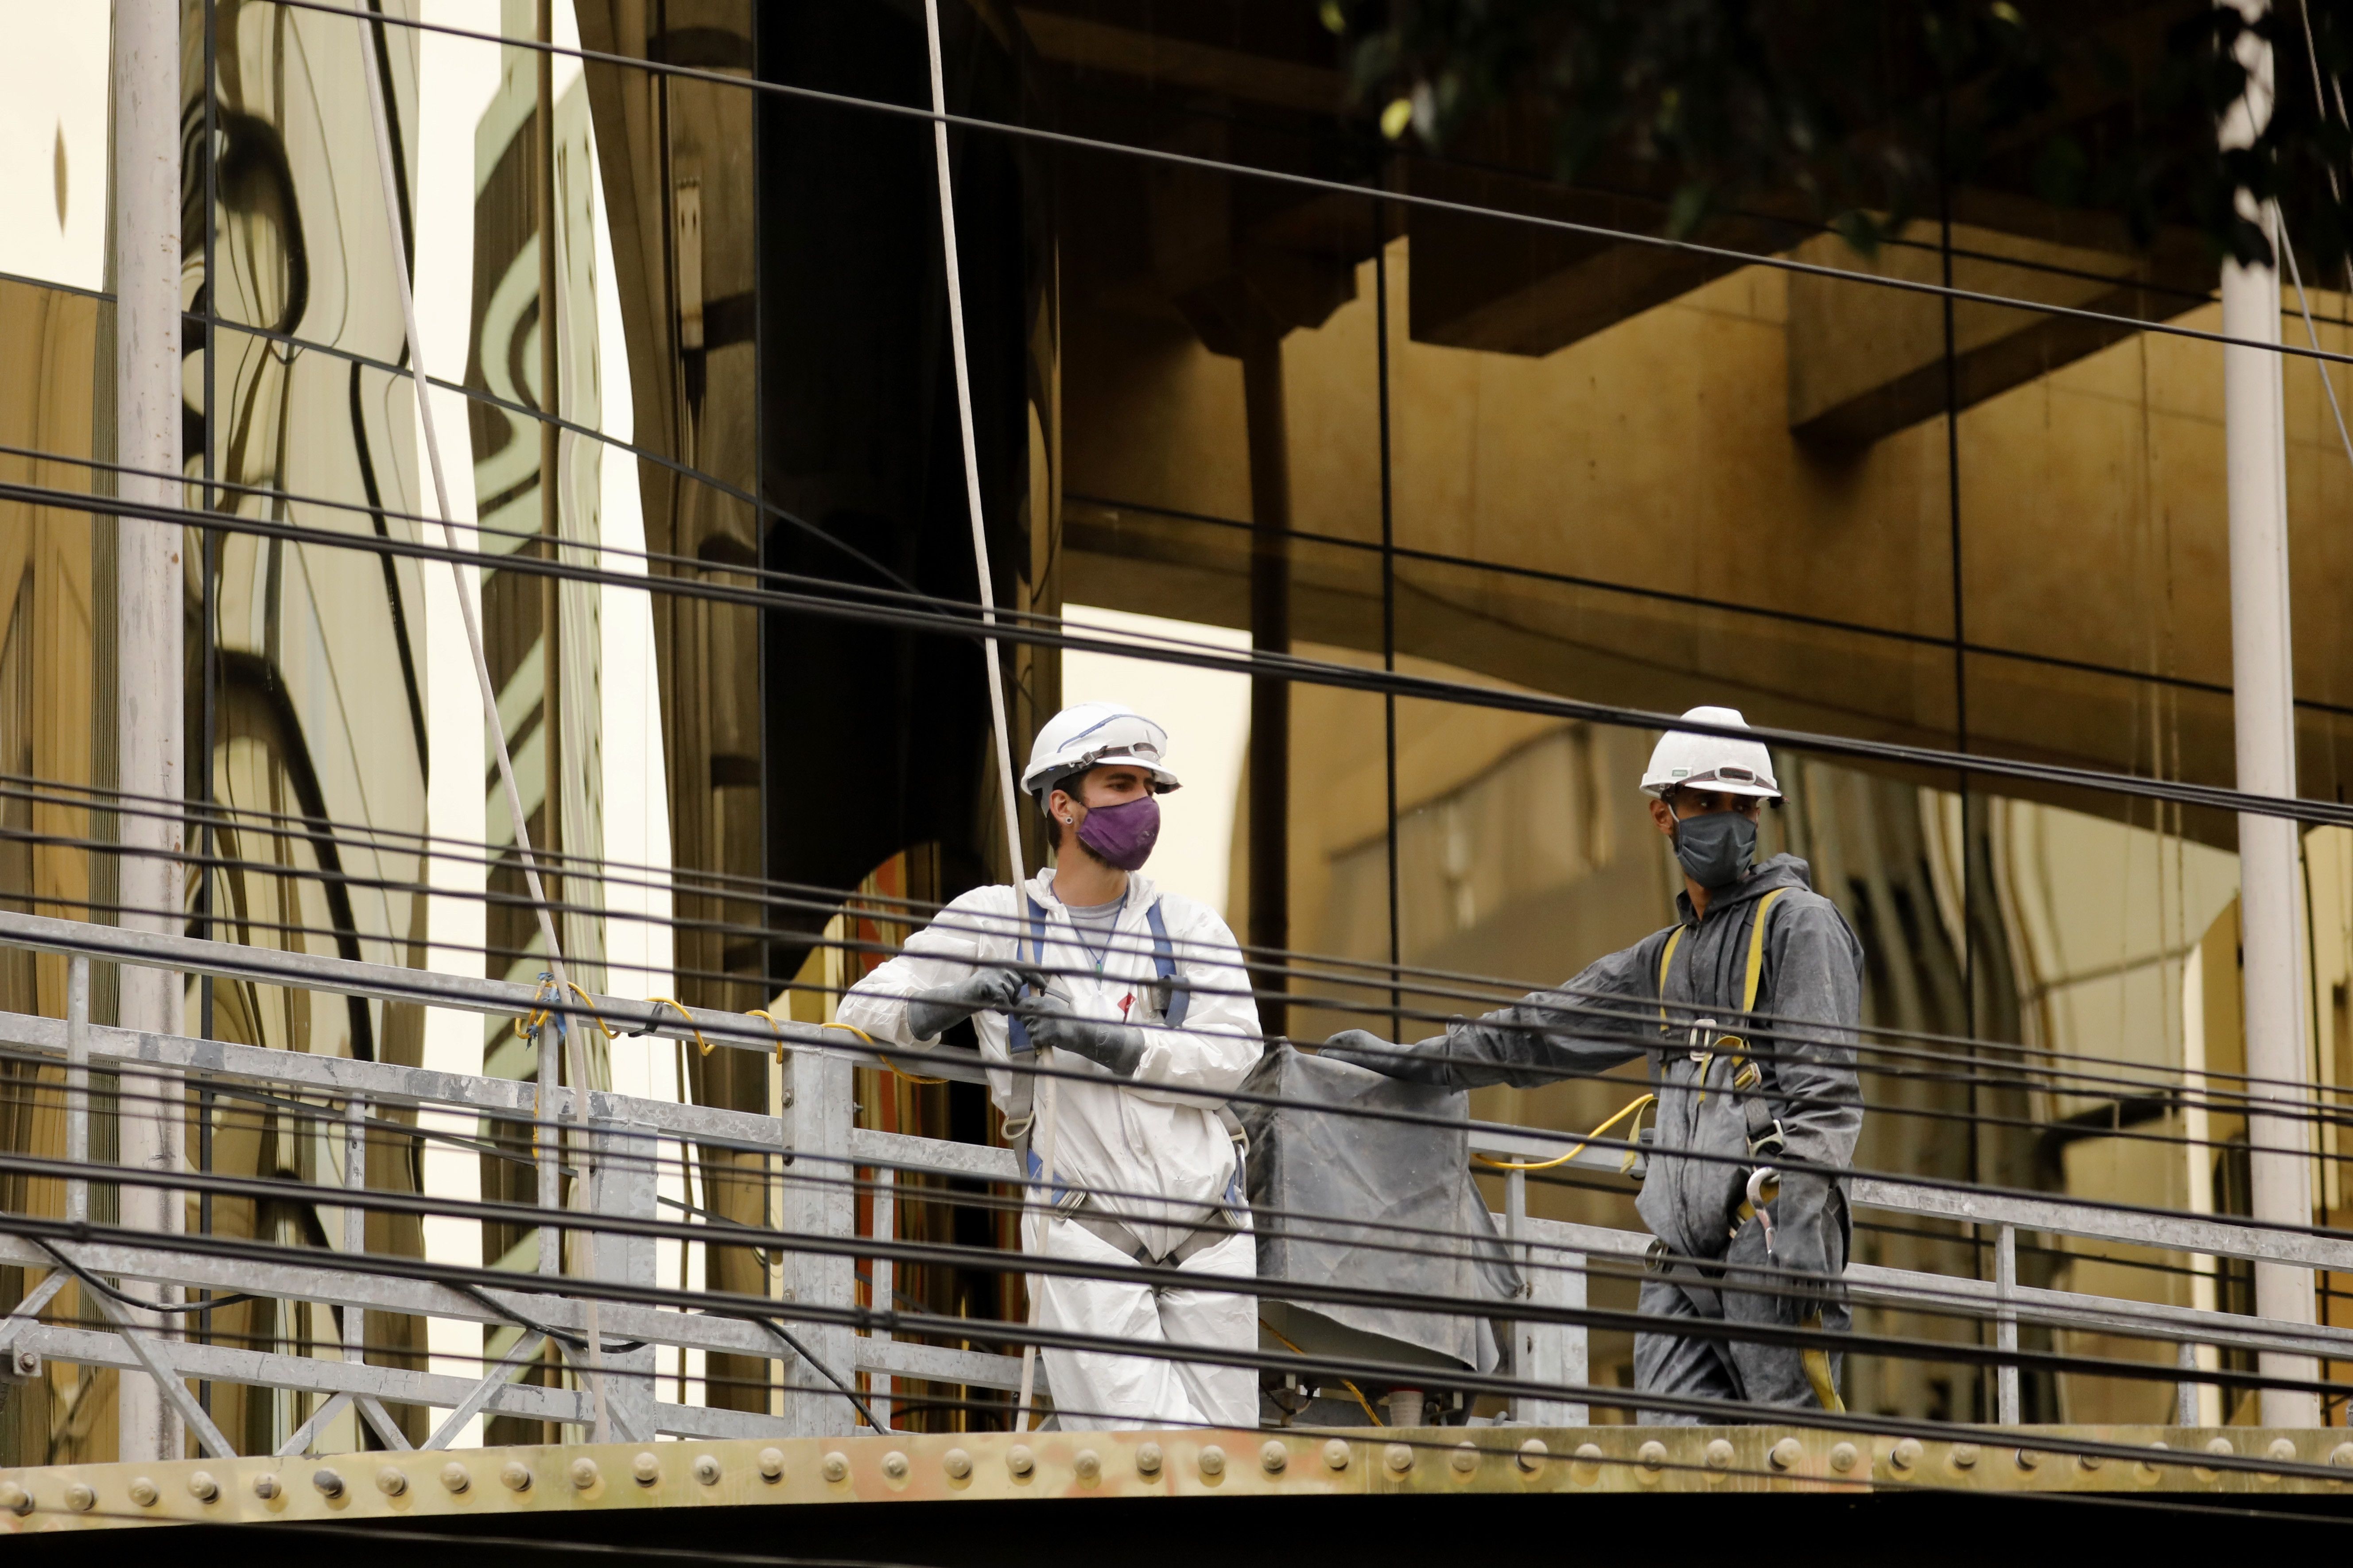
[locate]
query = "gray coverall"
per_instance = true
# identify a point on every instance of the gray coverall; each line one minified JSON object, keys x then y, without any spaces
{"x":1812,"y":987}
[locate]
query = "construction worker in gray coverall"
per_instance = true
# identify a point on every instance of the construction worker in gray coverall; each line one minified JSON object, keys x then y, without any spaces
{"x":1756,"y":1118}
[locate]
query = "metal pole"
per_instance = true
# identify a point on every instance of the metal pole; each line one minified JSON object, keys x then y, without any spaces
{"x":545,"y":1139}
{"x":2263,"y":672}
{"x":355,"y":1218}
{"x":147,"y":611}
{"x":882,"y":1295}
{"x":76,"y":1084}
{"x":2005,"y":1332}
{"x":1269,"y":857}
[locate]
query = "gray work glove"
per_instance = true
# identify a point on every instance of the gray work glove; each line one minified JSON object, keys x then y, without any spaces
{"x":1807,"y":1241}
{"x":1118,"y":1047}
{"x":994,"y":990}
{"x":1420,"y":1063}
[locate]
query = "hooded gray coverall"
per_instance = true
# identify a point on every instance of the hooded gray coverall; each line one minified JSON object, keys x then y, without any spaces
{"x":1710,"y":1110}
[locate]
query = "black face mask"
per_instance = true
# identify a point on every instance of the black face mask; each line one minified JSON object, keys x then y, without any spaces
{"x":1715,"y":849}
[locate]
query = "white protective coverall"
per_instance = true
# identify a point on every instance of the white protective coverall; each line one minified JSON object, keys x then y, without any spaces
{"x":1117,"y":1138}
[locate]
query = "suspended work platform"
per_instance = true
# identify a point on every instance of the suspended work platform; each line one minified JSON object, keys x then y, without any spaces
{"x":619,"y":1493}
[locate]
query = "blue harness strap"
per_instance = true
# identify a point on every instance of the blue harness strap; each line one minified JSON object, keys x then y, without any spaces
{"x":1016,"y":1028}
{"x":1164,"y":964}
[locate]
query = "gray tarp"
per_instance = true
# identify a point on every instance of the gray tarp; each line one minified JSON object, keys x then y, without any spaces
{"x":1367,"y":1173}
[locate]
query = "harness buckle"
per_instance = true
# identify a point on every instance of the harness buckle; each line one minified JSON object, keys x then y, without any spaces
{"x":1769,"y":1143}
{"x":1702,"y":1039}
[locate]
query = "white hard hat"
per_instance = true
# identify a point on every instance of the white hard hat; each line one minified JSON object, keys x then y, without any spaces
{"x":1711,"y":762}
{"x":1091,"y":735}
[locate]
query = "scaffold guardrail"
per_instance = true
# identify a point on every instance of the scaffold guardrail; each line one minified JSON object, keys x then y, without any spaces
{"x":817,"y":1315}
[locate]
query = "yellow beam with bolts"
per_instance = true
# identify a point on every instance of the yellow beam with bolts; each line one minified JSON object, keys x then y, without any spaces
{"x":505,"y":1484}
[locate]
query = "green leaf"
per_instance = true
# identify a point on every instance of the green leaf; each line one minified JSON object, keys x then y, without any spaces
{"x":1692,"y":201}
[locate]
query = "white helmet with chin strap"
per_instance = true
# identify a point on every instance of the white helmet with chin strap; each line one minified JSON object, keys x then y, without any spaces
{"x":1683,"y":760}
{"x":1093,"y":734}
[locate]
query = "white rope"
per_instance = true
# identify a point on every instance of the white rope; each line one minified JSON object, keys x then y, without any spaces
{"x":389,"y":182}
{"x":1045,"y":1086}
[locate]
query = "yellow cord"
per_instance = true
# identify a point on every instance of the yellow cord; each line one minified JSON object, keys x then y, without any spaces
{"x":886,"y":1061}
{"x":527,"y":1027}
{"x":666,"y":1002}
{"x":594,"y":1015}
{"x":763,"y":1013}
{"x":1633,"y":1109}
{"x":1370,"y":1413}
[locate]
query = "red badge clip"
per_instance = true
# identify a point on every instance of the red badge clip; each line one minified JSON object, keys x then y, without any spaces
{"x":1125,"y":1003}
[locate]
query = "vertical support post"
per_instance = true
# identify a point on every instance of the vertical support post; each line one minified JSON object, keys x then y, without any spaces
{"x":546,"y":1138}
{"x":1516,"y":1230}
{"x":149,"y":680}
{"x":818,"y":1200}
{"x":2005,"y":1329}
{"x":882,"y":1292}
{"x":1547,"y":1353}
{"x":626,"y":1170}
{"x":76,"y":1085}
{"x":1269,"y":737}
{"x":2264,"y":694}
{"x":2185,"y":1393}
{"x":553,"y":828}
{"x":354,"y":1219}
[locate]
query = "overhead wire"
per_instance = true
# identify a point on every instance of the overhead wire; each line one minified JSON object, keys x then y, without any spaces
{"x":2234,"y":1381}
{"x":2215,"y":1102}
{"x":733,"y":1305}
{"x":2069,"y":1072}
{"x":1295,"y":668}
{"x":396,"y":223}
{"x":1928,"y":1298}
{"x":940,"y":122}
{"x":1924,"y":1296}
{"x":1654,"y":594}
{"x":2218,"y":1103}
{"x":1170,"y":158}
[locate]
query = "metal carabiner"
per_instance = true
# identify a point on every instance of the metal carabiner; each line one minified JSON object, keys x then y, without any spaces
{"x":1757,"y":1200}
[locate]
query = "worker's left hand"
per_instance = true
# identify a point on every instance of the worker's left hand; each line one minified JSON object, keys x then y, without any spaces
{"x":1362,"y":1047}
{"x":1805,"y":1243}
{"x":1116,"y":1046}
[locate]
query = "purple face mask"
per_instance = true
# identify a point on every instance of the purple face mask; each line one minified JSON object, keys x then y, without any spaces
{"x":1123,"y":834}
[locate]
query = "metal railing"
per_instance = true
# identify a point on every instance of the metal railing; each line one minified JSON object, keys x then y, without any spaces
{"x":816,"y":1328}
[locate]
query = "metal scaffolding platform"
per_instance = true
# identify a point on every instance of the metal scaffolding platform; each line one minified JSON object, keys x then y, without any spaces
{"x":526,"y":1491}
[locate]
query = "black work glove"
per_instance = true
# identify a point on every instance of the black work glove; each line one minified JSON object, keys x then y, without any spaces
{"x":1118,"y":1047}
{"x":1807,"y":1241}
{"x":1420,"y":1063}
{"x":993,"y":989}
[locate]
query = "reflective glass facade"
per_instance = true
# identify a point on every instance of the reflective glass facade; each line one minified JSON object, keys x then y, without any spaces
{"x":687,"y":329}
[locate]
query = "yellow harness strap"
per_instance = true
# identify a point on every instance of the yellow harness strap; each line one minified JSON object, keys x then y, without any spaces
{"x":1757,"y":951}
{"x":1749,"y":982}
{"x":1817,"y":1362}
{"x":1746,"y":1075}
{"x":1666,"y":962}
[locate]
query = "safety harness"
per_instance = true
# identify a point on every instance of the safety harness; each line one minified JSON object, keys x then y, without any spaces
{"x":1173,"y":1000}
{"x":1765,"y":1137}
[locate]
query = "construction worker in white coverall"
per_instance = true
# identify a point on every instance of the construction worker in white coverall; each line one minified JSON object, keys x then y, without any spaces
{"x":1090,"y":970}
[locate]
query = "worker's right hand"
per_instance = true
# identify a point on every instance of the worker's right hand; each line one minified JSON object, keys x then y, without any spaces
{"x":1415,"y":1063}
{"x":993,"y":989}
